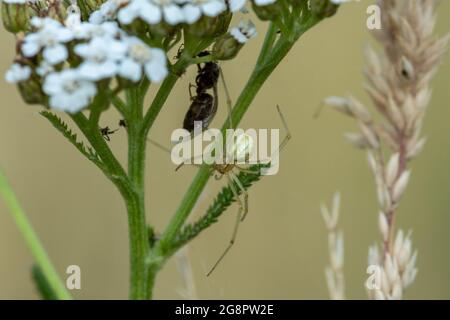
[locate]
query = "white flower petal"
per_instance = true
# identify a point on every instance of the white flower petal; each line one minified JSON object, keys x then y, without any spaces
{"x":55,"y":54}
{"x":131,"y":70}
{"x":151,"y":14}
{"x":173,"y":14}
{"x":191,"y":13}
{"x":214,"y":8}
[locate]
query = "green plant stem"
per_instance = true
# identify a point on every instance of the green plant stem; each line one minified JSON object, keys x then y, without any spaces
{"x":269,"y":40}
{"x":131,"y":187}
{"x":139,"y":244}
{"x":32,"y":240}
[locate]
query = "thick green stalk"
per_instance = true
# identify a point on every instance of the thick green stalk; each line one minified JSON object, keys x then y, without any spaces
{"x":131,"y":187}
{"x":269,"y":40}
{"x":139,"y":245}
{"x":32,"y":241}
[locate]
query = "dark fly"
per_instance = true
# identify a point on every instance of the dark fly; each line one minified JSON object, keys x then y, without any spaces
{"x":106,"y":131}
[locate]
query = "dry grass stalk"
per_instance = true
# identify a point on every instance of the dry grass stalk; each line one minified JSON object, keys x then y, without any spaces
{"x":334,"y":273}
{"x":398,"y":83}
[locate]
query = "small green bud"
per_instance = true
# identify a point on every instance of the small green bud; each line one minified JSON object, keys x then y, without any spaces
{"x":210,"y":26}
{"x":57,"y":11}
{"x":15,"y":16}
{"x":31,"y":91}
{"x":162,"y":29}
{"x":222,"y":24}
{"x":136,"y":27}
{"x":92,"y":5}
{"x":226,"y":47}
{"x":229,"y":44}
{"x":323,"y":8}
{"x":267,"y":12}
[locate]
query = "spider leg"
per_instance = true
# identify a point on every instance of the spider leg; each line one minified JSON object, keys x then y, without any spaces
{"x":165,"y":149}
{"x":244,"y":192}
{"x":227,"y":94}
{"x":286,"y":138}
{"x":158,"y":145}
{"x":248,"y":171}
{"x":288,"y":135}
{"x":236,"y":226}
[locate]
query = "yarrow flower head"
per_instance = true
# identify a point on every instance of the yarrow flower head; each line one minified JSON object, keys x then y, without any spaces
{"x":68,"y":90}
{"x":108,"y":11}
{"x":141,"y":57}
{"x":69,"y":52}
{"x":50,"y":37}
{"x":152,"y":12}
{"x":194,"y":9}
{"x":101,"y":57}
{"x":18,"y":73}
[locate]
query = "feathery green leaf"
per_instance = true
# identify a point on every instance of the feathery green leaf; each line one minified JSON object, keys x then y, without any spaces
{"x":62,"y":127}
{"x":223,"y":200}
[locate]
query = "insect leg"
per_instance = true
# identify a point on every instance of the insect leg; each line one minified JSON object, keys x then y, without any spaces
{"x":191,"y":96}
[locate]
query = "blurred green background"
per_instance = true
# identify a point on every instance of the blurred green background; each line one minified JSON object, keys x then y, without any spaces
{"x":281,"y":250}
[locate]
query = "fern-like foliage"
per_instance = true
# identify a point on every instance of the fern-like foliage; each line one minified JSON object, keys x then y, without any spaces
{"x":42,"y":284}
{"x":62,"y":127}
{"x":223,"y":200}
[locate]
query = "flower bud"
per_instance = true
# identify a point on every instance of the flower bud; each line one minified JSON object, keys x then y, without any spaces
{"x":31,"y":91}
{"x":228,"y":45}
{"x":323,"y":8}
{"x":162,"y":29}
{"x":210,"y":26}
{"x":222,"y":24}
{"x":57,"y":11}
{"x":15,"y":15}
{"x":265,"y":10}
{"x":92,"y":5}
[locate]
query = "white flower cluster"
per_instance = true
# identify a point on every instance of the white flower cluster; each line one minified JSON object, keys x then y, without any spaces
{"x":396,"y":271}
{"x":105,"y":52}
{"x":69,"y":59}
{"x":172,"y":12}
